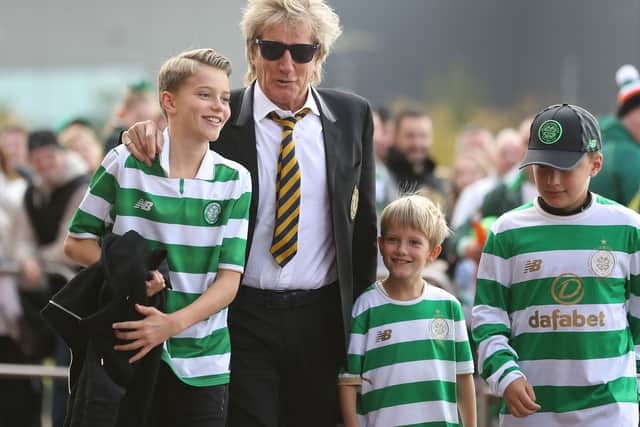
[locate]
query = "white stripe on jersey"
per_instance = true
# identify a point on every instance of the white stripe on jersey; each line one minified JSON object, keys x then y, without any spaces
{"x":587,"y":372}
{"x":414,"y":413}
{"x":178,"y":234}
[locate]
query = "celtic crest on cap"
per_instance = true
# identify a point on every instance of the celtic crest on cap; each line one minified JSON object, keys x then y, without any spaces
{"x":550,"y":132}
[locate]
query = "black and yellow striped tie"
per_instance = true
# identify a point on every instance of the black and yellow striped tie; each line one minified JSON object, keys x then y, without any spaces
{"x":285,"y":233}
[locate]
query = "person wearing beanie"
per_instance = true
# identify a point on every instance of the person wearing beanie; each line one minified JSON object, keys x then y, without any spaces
{"x":619,"y":178}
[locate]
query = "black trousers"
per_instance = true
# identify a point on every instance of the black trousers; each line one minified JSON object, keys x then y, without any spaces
{"x":177,"y":404}
{"x":285,"y":353}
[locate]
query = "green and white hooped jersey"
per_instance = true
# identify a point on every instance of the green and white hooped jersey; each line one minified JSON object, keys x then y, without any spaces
{"x":405,"y":355}
{"x":558,"y":302}
{"x":201,"y":222}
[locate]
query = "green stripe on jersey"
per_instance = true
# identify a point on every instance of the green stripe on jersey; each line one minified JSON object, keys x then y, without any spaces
{"x":490,"y":292}
{"x":83,"y":222}
{"x":154,"y":170}
{"x":200,"y":260}
{"x":216,"y":343}
{"x":179,"y":210}
{"x":572,"y":345}
{"x":403,"y":394}
{"x":409,"y":352}
{"x":223,"y":173}
{"x":104,"y":185}
{"x":561,"y":237}
{"x":596,"y":291}
{"x":494,"y":361}
{"x":431,"y":424}
{"x":391,"y":313}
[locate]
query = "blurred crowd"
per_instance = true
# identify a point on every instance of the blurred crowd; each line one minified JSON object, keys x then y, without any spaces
{"x":44,"y":173}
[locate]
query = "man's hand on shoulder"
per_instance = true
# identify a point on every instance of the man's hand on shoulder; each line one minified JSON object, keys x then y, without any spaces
{"x":144,"y":141}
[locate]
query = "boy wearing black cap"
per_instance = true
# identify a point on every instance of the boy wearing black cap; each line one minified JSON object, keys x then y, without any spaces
{"x":557,"y":311}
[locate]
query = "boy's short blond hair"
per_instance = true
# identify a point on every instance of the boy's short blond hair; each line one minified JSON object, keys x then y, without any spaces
{"x":418,"y":212}
{"x":179,"y":68}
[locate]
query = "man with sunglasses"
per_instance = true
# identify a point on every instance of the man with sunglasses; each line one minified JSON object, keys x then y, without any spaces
{"x":290,"y":319}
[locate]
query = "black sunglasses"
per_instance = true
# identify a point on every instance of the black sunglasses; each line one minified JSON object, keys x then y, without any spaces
{"x":300,"y":53}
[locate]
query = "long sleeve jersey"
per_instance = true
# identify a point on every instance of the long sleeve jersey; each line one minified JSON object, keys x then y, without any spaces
{"x":558,"y":303}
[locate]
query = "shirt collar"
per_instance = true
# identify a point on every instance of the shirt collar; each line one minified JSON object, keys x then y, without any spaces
{"x":262,"y":105}
{"x":206,"y":171}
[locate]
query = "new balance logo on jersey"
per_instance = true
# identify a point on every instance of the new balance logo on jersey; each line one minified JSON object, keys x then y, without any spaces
{"x":383,"y":335}
{"x":143,"y":204}
{"x":532,"y":265}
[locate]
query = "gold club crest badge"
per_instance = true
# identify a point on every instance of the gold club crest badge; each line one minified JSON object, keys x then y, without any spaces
{"x":439,"y":327}
{"x":602,"y":261}
{"x":354,"y":203}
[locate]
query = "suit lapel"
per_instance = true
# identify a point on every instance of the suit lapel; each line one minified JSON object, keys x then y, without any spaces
{"x":331,"y":135}
{"x":245,"y":139}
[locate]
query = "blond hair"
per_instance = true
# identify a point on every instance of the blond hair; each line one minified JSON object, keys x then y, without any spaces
{"x":418,"y":212}
{"x":94,"y":149}
{"x":318,"y":15}
{"x":179,"y":68}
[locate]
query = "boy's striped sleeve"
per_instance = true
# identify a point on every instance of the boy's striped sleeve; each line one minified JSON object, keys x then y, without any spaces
{"x":633,"y":314}
{"x":491,"y":325}
{"x":93,"y":215}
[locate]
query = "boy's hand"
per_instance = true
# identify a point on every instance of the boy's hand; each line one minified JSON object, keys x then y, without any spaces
{"x":143,"y":140}
{"x":145,"y":334}
{"x":520,"y":398}
{"x":155,"y":284}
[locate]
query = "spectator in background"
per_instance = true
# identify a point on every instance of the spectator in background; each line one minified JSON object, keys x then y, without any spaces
{"x":13,"y":141}
{"x":515,"y":188}
{"x":487,"y":199}
{"x":83,"y":140}
{"x":619,"y":178}
{"x":20,"y":399}
{"x":382,"y":132}
{"x":510,"y":148}
{"x":469,"y":167}
{"x":474,"y":137}
{"x":49,"y":202}
{"x":386,"y":188}
{"x":137,"y":105}
{"x":409,"y":160}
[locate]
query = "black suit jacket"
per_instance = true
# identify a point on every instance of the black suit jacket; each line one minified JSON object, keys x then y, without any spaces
{"x":348,"y":141}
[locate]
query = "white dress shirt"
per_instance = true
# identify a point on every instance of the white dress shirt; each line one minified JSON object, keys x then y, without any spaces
{"x":313,"y":266}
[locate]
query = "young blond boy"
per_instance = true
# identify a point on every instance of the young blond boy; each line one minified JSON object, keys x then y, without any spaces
{"x":557,"y":313}
{"x":195,"y":204}
{"x":409,"y":360}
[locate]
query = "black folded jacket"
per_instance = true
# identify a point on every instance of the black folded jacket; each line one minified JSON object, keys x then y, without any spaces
{"x":106,"y":390}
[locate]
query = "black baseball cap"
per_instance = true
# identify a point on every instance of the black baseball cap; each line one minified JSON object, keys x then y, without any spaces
{"x":561,"y":135}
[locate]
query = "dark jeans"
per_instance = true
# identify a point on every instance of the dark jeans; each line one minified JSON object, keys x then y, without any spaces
{"x":177,"y":404}
{"x":285,"y":352}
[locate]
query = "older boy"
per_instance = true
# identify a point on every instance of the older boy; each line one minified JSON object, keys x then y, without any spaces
{"x":194,"y":203}
{"x":556,"y":316}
